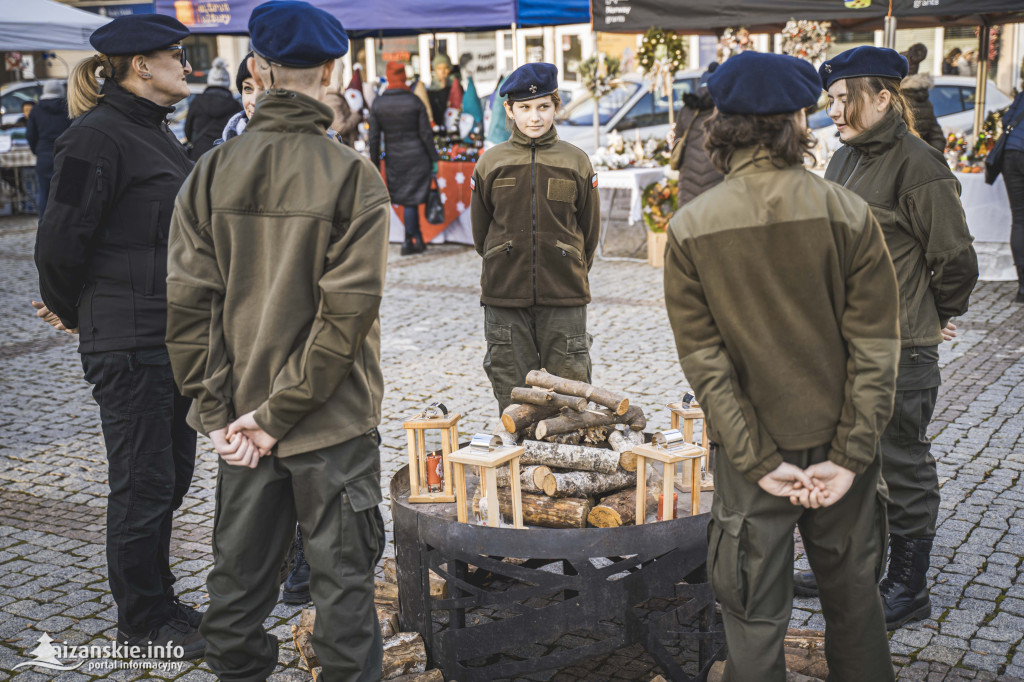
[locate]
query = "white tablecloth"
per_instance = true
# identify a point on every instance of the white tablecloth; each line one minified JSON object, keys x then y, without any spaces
{"x":987,"y":207}
{"x":633,"y":179}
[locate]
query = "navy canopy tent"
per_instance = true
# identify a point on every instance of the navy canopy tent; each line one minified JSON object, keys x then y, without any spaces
{"x":389,"y":17}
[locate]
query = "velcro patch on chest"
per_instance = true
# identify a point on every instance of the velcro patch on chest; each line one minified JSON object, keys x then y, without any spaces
{"x":503,"y":182}
{"x":561,"y":190}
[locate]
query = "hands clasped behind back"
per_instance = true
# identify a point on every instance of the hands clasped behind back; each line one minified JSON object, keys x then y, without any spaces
{"x":243,"y":442}
{"x":819,"y":485}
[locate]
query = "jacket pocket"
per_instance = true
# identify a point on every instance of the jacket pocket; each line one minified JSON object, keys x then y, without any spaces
{"x":726,"y":560}
{"x":561,"y":190}
{"x":495,"y":250}
{"x":569,"y":250}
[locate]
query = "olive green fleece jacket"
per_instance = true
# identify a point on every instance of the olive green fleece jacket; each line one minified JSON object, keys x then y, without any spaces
{"x":536,"y":220}
{"x":276,"y":262}
{"x":783,"y":302}
{"x":916,"y":199}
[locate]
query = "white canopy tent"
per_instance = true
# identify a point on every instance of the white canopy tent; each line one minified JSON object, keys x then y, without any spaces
{"x":38,"y":25}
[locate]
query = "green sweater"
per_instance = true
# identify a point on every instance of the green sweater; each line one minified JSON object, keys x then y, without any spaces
{"x":783,"y":302}
{"x":536,"y":220}
{"x":277,"y":254}
{"x":916,"y":199}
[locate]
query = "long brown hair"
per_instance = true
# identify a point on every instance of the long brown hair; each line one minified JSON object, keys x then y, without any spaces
{"x":84,"y":85}
{"x":865,"y":88}
{"x":778,"y":134}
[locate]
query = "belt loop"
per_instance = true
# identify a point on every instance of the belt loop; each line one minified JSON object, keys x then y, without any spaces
{"x":914,"y":354}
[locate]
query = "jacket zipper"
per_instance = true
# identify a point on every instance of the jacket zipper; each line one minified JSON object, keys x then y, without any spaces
{"x":568,"y":248}
{"x":533,"y":215}
{"x":506,"y":247}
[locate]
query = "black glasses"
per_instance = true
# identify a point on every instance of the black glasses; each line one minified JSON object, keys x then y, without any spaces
{"x":182,"y":54}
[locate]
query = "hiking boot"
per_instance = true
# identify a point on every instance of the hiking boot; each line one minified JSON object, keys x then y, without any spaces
{"x":172,"y":634}
{"x":296,"y":586}
{"x":409,"y":247}
{"x":904,"y":589}
{"x":183,"y":611}
{"x":805,"y":584}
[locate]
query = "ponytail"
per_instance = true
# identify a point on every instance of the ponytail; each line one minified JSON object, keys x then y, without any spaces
{"x":84,"y":85}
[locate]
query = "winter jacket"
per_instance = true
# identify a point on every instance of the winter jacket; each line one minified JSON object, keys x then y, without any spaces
{"x":48,"y":120}
{"x":101,"y":248}
{"x":696,"y":174}
{"x":207,"y":115}
{"x":346,"y":122}
{"x":275,"y":275}
{"x":234,"y":127}
{"x":536,"y":220}
{"x":916,"y":199}
{"x":1016,"y":139}
{"x":399,"y":116}
{"x":783,"y":302}
{"x":915,"y":88}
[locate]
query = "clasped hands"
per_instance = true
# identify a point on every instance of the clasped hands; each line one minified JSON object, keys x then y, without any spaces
{"x":242,"y":442}
{"x":819,"y":485}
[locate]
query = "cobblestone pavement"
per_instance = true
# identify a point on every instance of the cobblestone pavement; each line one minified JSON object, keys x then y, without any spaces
{"x":52,"y":465}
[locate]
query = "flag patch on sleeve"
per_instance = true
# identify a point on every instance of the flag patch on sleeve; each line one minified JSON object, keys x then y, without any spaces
{"x":593,"y":181}
{"x":472,"y":183}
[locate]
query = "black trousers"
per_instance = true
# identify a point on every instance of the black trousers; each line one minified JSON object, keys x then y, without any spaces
{"x":1013,"y":176}
{"x":151,"y":454}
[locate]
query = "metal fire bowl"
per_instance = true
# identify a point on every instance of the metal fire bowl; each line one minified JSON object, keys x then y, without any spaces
{"x":642,"y":585}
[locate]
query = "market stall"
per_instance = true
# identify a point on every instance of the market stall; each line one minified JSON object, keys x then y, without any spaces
{"x":453,"y":184}
{"x":20,"y":186}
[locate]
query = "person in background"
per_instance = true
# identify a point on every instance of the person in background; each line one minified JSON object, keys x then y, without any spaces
{"x":275,"y":276}
{"x":399,"y":119}
{"x":440,"y":87}
{"x":45,"y":124}
{"x":346,"y":122}
{"x":696,"y":174}
{"x":210,"y":111}
{"x":914,"y":55}
{"x":101,"y":252}
{"x":949,"y":67}
{"x":783,"y":304}
{"x":26,"y":111}
{"x":916,"y":199}
{"x":967,"y":64}
{"x":1013,"y":178}
{"x":916,"y":89}
{"x":249,"y":90}
{"x":536,"y":218}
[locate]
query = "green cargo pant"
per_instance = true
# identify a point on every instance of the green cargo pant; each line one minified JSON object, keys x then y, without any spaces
{"x":334,"y":493}
{"x":750,"y":564}
{"x":907,"y":463}
{"x":524,"y":339}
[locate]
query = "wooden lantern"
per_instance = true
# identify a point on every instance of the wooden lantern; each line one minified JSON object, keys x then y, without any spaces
{"x":669,"y":448}
{"x":690,"y":413}
{"x":486,"y":452}
{"x":435,"y":417}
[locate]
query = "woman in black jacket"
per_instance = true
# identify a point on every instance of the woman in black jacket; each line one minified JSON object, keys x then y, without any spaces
{"x":101,"y":252}
{"x":45,"y":124}
{"x":409,"y":151}
{"x":696,"y":174}
{"x":210,"y":111}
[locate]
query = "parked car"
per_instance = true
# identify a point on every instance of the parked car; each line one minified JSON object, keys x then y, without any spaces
{"x":630,"y":106}
{"x":953,"y":101}
{"x":13,"y":95}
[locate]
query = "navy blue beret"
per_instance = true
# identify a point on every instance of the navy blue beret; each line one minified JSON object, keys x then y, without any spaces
{"x":530,"y":81}
{"x":762,"y":84}
{"x":864,"y":61}
{"x":294,"y":33}
{"x":138,"y":34}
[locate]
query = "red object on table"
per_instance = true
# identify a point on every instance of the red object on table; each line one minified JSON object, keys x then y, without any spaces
{"x":453,"y":182}
{"x":675,"y":506}
{"x":435,"y":474}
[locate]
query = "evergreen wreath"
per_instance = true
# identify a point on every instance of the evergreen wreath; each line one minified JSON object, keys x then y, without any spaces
{"x":806,"y":40}
{"x":659,"y":49}
{"x":661,"y":200}
{"x":594,"y":81}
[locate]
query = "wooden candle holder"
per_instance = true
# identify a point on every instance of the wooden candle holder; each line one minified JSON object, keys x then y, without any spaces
{"x":488,"y":459}
{"x":690,"y":415}
{"x":687,"y":452}
{"x":415,"y":430}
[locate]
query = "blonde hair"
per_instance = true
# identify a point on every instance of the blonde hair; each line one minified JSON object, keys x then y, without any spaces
{"x":84,"y":84}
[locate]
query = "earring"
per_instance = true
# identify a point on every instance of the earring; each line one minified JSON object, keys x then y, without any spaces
{"x":147,"y":75}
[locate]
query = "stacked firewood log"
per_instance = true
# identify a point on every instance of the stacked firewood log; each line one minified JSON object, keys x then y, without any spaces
{"x":577,"y":468}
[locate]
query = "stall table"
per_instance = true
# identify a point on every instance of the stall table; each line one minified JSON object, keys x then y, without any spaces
{"x":635,"y":180}
{"x":23,"y":198}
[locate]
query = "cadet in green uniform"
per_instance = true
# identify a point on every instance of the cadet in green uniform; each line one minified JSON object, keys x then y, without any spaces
{"x":276,"y":269}
{"x":916,"y":199}
{"x":536,"y":222}
{"x":783,"y":302}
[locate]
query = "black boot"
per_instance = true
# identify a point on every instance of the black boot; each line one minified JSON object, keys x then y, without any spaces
{"x":409,"y":247}
{"x":417,"y":240}
{"x":905,"y":588}
{"x":296,"y":585}
{"x":805,"y":584}
{"x":1020,"y":285}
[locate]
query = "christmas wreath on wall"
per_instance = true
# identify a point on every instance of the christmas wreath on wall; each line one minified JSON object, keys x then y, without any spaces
{"x":734,"y":41}
{"x":660,"y":49}
{"x":599,"y":74}
{"x":806,"y":39}
{"x":660,"y":202}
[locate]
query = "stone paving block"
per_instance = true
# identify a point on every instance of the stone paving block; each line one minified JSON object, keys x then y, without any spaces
{"x":983,"y":661}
